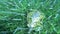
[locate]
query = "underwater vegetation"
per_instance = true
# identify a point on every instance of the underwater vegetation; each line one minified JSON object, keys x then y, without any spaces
{"x":29,"y":16}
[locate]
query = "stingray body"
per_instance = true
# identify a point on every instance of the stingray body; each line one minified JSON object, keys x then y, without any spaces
{"x":35,"y":19}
